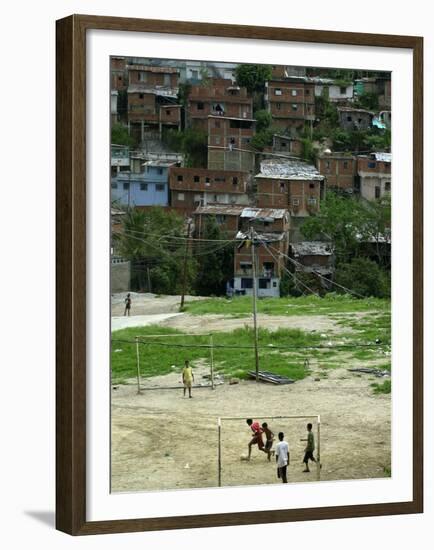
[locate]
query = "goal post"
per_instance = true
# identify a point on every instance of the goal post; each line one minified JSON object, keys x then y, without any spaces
{"x":315,"y":417}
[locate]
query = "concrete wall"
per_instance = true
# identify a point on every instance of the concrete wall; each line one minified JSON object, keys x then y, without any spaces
{"x":120,"y":276}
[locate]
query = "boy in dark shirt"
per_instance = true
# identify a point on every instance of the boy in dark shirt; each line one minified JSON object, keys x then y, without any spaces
{"x":310,"y":447}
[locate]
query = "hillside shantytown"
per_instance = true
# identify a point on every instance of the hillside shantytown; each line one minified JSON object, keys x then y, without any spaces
{"x":208,"y":158}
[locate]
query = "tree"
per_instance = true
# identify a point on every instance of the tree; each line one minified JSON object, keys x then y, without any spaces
{"x":192,"y":143}
{"x":214,"y":265}
{"x":120,"y":135}
{"x":365,"y":277}
{"x":253,"y":77}
{"x":263,"y":120}
{"x":154,"y":241}
{"x":368,"y":100}
{"x":339,"y":222}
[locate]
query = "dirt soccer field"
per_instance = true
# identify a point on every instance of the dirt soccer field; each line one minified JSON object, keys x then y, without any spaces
{"x":161,"y":440}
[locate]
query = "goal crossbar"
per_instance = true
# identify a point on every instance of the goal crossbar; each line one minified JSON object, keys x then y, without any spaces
{"x":316,"y":417}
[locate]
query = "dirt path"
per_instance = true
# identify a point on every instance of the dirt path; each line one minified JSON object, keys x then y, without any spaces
{"x":220,"y":323}
{"x":147,"y":303}
{"x":161,"y":440}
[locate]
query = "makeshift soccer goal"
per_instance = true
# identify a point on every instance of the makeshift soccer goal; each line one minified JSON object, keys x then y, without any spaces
{"x":153,"y":339}
{"x":315,"y":420}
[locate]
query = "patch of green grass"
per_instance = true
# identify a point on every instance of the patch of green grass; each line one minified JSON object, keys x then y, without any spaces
{"x":159,"y":355}
{"x":385,"y":387}
{"x":304,"y":305}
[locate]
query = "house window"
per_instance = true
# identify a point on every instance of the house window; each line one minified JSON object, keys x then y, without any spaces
{"x":167,"y":111}
{"x":180,"y":177}
{"x":196,"y":179}
{"x":387,"y":186}
{"x":246,"y":283}
{"x":377,"y":192}
{"x":264,"y":283}
{"x":311,"y":185}
{"x":160,"y":171}
{"x":327,"y":164}
{"x":282,"y":186}
{"x":343,"y":90}
{"x":207,"y":181}
{"x":372,"y":164}
{"x":293,"y":93}
{"x":311,"y":201}
{"x":295,"y":202}
{"x":278,"y":106}
{"x":307,"y":92}
{"x":114,"y":185}
{"x":220,"y":218}
{"x":234,"y":180}
{"x":359,"y":120}
{"x":245,"y":266}
{"x":143,"y":187}
{"x":345,"y":164}
{"x":159,"y":187}
{"x":180,"y":196}
{"x":349,"y":118}
{"x":294,"y":107}
{"x":200,"y":106}
{"x":119,"y":78}
{"x":275,"y":282}
{"x":141,"y":96}
{"x":277,"y":91}
{"x":126,"y":186}
{"x":283,"y":144}
{"x":217,"y":140}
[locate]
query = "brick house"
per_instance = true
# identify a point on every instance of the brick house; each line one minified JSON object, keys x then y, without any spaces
{"x":375,"y":175}
{"x":218,"y":97}
{"x":339,"y":170}
{"x":288,"y":145}
{"x":152,"y":99}
{"x":295,"y":185}
{"x":227,"y":217}
{"x":118,"y":73}
{"x":229,"y":143}
{"x":351,"y":118}
{"x":291,"y":103}
{"x":312,"y":257}
{"x":193,"y":187}
{"x":271,"y":245}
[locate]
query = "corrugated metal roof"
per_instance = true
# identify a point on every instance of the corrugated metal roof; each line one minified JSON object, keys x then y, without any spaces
{"x":288,"y":169}
{"x":162,"y":91}
{"x":312,"y":248}
{"x":354,"y":110}
{"x":275,"y":213}
{"x":157,"y":162}
{"x":383,"y":157}
{"x":227,"y":210}
{"x":153,"y":69}
{"x":267,"y":237}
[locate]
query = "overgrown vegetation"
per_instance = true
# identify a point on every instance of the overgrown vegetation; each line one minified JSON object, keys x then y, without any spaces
{"x":192,"y":143}
{"x":120,"y":135}
{"x":384,"y":387}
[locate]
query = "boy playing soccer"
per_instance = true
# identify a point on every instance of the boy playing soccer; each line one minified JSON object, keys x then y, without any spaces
{"x":310,"y":447}
{"x":269,"y":439}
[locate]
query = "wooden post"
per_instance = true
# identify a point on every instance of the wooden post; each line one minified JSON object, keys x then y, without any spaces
{"x":184,"y":268}
{"x":138,"y":365}
{"x":211,"y":342}
{"x":255,"y":326}
{"x":149,"y":279}
{"x":318,"y":450}
{"x":219,"y":465}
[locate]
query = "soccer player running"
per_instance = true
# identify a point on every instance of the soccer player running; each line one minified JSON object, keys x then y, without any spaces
{"x":257,"y":437}
{"x":282,"y":458}
{"x":269,"y":438}
{"x":310,"y":447}
{"x":187,"y":377}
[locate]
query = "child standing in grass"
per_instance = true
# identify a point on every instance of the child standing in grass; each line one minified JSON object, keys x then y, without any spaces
{"x":187,"y":377}
{"x":310,"y":447}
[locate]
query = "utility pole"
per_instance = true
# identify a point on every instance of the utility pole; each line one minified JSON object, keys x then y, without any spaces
{"x":255,"y":326}
{"x":184,"y":269}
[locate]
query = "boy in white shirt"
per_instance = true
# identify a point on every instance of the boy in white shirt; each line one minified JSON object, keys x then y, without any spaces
{"x":282,"y":457}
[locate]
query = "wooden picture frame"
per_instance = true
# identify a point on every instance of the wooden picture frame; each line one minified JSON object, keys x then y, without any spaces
{"x":71,"y":274}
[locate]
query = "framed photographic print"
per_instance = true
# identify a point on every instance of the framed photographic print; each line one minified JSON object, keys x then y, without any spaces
{"x":231,"y":310}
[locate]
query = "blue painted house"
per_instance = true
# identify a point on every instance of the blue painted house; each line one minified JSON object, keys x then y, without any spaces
{"x":147,"y":188}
